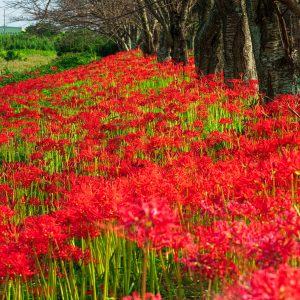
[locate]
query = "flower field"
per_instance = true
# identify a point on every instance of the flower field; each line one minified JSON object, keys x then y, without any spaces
{"x":128,"y":179}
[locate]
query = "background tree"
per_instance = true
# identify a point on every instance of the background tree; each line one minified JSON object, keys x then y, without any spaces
{"x":112,"y":19}
{"x":246,"y":39}
{"x":209,"y":48}
{"x":43,"y":29}
{"x":175,"y":18}
{"x":273,"y":28}
{"x":84,"y":41}
{"x":267,"y":45}
{"x":149,"y":28}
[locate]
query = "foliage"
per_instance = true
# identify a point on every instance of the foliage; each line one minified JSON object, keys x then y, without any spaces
{"x":126,"y":177}
{"x":43,"y":29}
{"x":72,"y":60}
{"x":25,"y":41}
{"x":12,"y":55}
{"x":77,"y":41}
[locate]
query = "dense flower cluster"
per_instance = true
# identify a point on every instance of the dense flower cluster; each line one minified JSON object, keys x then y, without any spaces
{"x":268,"y":284}
{"x":182,"y":165}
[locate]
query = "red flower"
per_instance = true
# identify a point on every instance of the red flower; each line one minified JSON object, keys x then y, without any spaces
{"x":268,"y":284}
{"x":148,"y":296}
{"x":150,"y":220}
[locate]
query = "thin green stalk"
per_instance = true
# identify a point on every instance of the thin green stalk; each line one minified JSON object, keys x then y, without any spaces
{"x":144,"y":275}
{"x":117,"y":261}
{"x":107,"y":259}
{"x":165,"y":274}
{"x":179,"y":280}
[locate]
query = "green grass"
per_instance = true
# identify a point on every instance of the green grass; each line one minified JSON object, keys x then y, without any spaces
{"x":32,"y":59}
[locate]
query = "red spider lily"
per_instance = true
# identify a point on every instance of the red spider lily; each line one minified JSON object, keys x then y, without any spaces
{"x":225,"y":121}
{"x":268,"y":284}
{"x":6,"y":212}
{"x":3,"y":138}
{"x":150,"y":221}
{"x":26,"y":174}
{"x":205,"y":258}
{"x":225,"y":202}
{"x":42,"y":233}
{"x":15,"y":262}
{"x":6,"y":193}
{"x":148,"y":296}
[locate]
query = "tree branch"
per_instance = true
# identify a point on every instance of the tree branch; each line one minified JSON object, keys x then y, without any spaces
{"x":293,"y":6}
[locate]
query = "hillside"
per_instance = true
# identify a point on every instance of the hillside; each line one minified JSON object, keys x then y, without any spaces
{"x":127,"y":176}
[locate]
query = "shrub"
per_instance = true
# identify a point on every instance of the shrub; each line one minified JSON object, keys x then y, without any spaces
{"x":13,"y":55}
{"x":2,"y":53}
{"x":72,"y":60}
{"x":82,"y":40}
{"x":26,"y":41}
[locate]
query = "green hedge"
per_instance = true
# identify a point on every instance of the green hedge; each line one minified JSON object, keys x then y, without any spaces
{"x":26,"y":41}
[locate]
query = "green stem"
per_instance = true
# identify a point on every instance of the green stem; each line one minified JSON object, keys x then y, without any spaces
{"x":107,"y":257}
{"x":144,"y":278}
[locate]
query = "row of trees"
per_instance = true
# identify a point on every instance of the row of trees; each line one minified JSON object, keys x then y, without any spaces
{"x":252,"y":39}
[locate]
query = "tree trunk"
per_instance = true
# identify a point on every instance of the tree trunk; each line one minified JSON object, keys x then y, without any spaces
{"x":164,"y":46}
{"x":276,"y":57}
{"x":239,"y":61}
{"x":148,"y":45}
{"x":208,"y":46}
{"x":173,"y":17}
{"x":179,"y":51}
{"x":173,"y":43}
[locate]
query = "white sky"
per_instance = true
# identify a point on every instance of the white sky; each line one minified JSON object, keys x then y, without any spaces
{"x":9,"y":14}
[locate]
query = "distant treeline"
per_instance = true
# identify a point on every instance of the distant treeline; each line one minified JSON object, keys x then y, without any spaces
{"x":83,"y":40}
{"x":26,"y":41}
{"x":73,"y":41}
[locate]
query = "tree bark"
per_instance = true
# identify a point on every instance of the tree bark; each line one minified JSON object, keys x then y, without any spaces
{"x":173,"y":18}
{"x":208,"y":46}
{"x":239,"y":61}
{"x":164,"y":46}
{"x":293,"y":6}
{"x":149,"y":28}
{"x":179,"y":51}
{"x":276,"y":58}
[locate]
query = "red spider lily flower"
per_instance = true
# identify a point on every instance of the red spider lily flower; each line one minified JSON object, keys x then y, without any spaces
{"x":209,"y":256}
{"x":27,"y":174}
{"x":6,"y":212}
{"x":36,"y":156}
{"x":42,"y":232}
{"x":224,"y":121}
{"x":3,"y":138}
{"x":267,"y":284}
{"x":150,"y":221}
{"x":6,"y":193}
{"x":15,"y":262}
{"x":148,"y":296}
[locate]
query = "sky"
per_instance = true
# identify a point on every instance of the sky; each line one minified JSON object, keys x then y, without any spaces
{"x":9,"y":14}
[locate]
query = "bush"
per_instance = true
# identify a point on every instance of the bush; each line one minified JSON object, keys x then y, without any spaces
{"x":2,"y":53}
{"x":13,"y":55}
{"x":107,"y":48}
{"x":72,"y":60}
{"x":25,"y":41}
{"x":83,"y":40}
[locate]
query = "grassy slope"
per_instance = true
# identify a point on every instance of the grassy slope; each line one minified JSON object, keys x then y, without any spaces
{"x":125,"y":166}
{"x":32,"y":59}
